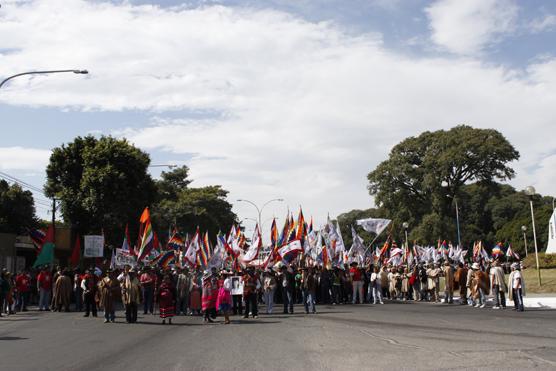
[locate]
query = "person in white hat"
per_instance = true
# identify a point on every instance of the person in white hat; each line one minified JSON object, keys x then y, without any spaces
{"x":516,"y":287}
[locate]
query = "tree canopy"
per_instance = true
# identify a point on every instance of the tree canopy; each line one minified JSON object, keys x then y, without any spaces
{"x":102,"y":184}
{"x":188,"y":208}
{"x":17,"y":209}
{"x":425,"y":177}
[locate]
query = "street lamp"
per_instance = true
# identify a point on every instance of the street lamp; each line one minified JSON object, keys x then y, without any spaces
{"x":260,"y":210}
{"x":78,"y":72}
{"x":530,"y":191}
{"x":405,"y":226}
{"x":169,"y":166}
{"x":524,"y":229}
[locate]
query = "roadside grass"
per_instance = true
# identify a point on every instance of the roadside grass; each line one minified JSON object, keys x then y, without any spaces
{"x":548,"y":280}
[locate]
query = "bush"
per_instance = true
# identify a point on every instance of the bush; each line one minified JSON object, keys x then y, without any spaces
{"x":545,"y":261}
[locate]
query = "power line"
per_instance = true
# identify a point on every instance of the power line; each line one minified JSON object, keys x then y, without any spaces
{"x":21,"y":182}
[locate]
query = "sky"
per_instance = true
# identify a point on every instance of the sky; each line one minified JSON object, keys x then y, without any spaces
{"x":292,"y":99}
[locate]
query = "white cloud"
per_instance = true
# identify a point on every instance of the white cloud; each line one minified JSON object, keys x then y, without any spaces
{"x":308,"y":110}
{"x":467,"y":27}
{"x":19,"y":158}
{"x":547,"y":23}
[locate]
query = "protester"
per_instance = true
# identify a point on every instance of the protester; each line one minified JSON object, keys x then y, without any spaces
{"x":224,"y":300}
{"x":286,"y":279}
{"x":44,"y":286}
{"x":63,"y":290}
{"x":516,"y":287}
{"x":23,"y":286}
{"x":448,"y":273}
{"x":131,"y":295}
{"x":309,"y":284}
{"x":250,"y":286}
{"x":498,"y":285}
{"x":183,"y":286}
{"x":357,"y":283}
{"x":210,"y":294}
{"x":460,"y":281}
{"x":269,"y":286}
{"x":77,"y":291}
{"x":195,"y":304}
{"x":108,"y":287}
{"x":166,"y":299}
{"x":89,"y":284}
{"x":148,"y":281}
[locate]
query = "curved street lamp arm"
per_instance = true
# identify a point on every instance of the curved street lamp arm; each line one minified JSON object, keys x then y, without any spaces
{"x":266,"y":203}
{"x":83,"y":72}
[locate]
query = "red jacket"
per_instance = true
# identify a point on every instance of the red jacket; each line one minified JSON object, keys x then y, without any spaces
{"x":23,"y":282}
{"x":44,"y":280}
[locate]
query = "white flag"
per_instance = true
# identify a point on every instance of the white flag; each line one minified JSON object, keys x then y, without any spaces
{"x":256,"y":243}
{"x":373,"y":225}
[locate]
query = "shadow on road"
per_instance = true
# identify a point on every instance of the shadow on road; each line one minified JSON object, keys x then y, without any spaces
{"x":8,"y":338}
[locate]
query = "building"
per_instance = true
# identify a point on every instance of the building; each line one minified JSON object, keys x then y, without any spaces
{"x":18,"y":252}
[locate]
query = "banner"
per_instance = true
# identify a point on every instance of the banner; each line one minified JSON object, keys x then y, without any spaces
{"x":94,"y":246}
{"x":551,"y":248}
{"x":123,"y":257}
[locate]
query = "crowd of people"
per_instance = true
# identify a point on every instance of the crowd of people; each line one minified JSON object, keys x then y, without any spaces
{"x":194,"y":292}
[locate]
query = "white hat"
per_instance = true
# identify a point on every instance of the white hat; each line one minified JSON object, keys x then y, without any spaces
{"x":475,"y":266}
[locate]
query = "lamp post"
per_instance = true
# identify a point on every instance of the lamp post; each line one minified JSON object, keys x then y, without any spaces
{"x":530,"y":191}
{"x":457,"y":222}
{"x":260,"y":210}
{"x":524,"y":229}
{"x":78,"y":72}
{"x":405,"y":227}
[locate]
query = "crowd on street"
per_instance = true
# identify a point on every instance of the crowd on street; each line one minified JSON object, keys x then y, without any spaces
{"x":174,"y":291}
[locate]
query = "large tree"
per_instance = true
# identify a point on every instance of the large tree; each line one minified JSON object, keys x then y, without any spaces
{"x":425,"y":174}
{"x":187,"y":207}
{"x":102,"y":184}
{"x":17,"y":209}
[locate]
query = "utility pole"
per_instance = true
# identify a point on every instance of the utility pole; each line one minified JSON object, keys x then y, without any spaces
{"x":54,"y":218}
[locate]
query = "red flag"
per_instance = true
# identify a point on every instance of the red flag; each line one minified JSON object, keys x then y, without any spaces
{"x":50,"y":234}
{"x":76,"y":254}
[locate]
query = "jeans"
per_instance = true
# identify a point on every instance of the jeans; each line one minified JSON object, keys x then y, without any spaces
{"x":287,"y":297}
{"x":22,"y":300}
{"x":518,"y":299}
{"x":357,"y":289}
{"x":251,"y":304}
{"x":499,"y":297}
{"x":148,"y":304}
{"x":181,"y":304}
{"x":44,"y":299}
{"x":482,"y":296}
{"x":377,"y":293}
{"x":309,"y":301}
{"x":131,"y":312}
{"x":269,"y":300}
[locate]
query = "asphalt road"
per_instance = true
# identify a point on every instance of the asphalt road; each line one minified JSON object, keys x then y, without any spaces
{"x":393,"y":336}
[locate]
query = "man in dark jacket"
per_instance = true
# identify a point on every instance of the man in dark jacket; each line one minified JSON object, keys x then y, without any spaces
{"x":286,"y":281}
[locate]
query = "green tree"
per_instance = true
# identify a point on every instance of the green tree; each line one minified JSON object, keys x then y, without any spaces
{"x":17,"y":209}
{"x":423,"y":175}
{"x":187,"y":207}
{"x":102,"y":184}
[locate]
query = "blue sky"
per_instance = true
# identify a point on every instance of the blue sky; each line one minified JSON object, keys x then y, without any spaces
{"x":297,"y":99}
